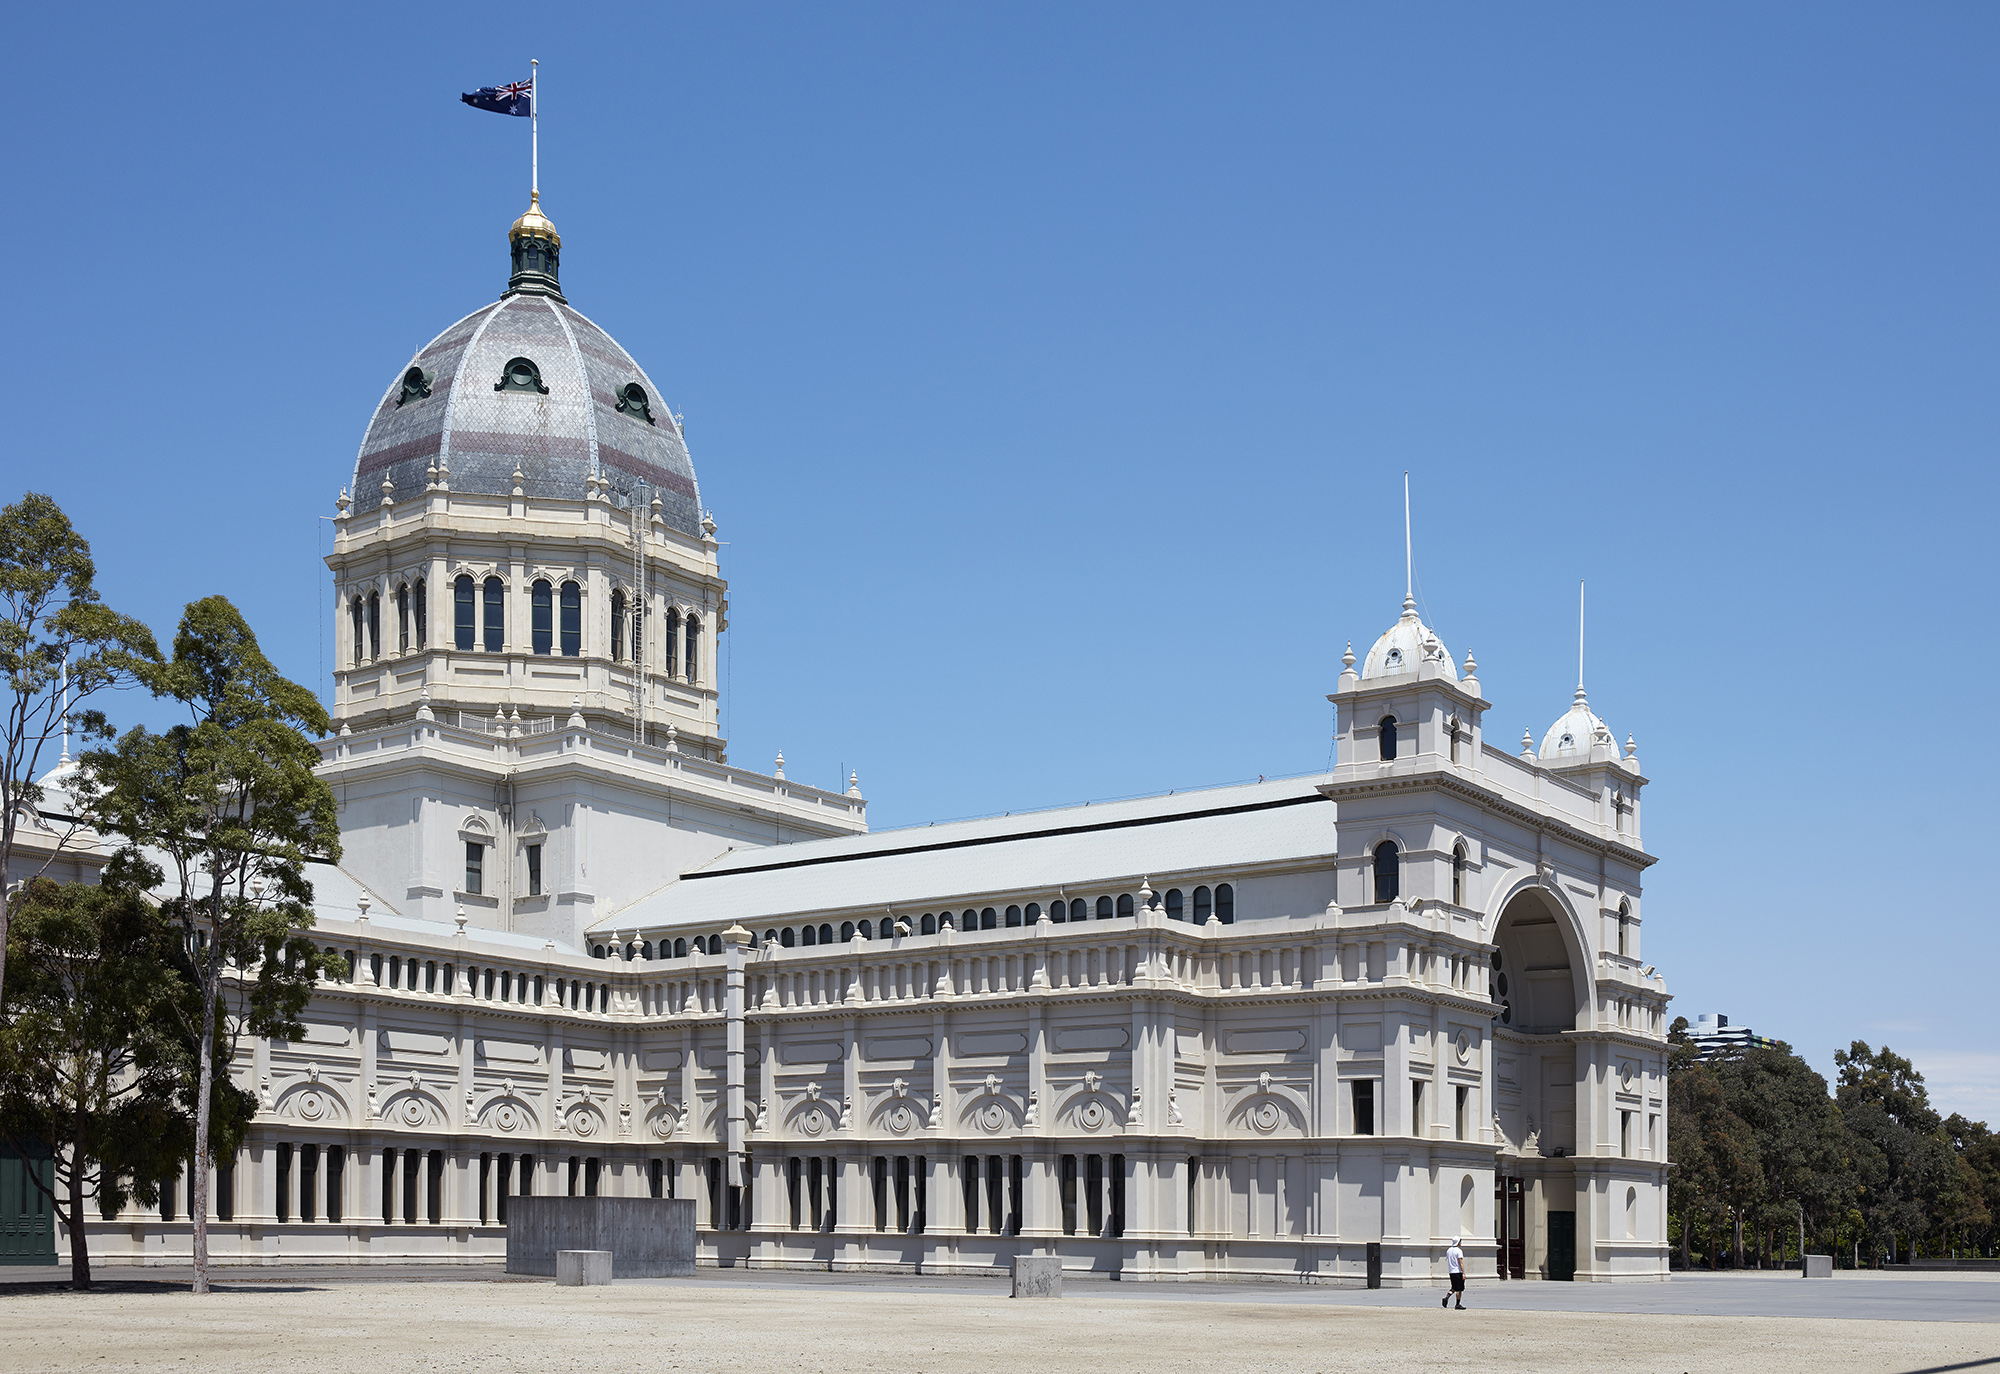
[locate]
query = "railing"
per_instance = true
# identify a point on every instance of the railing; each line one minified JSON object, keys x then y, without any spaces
{"x":498,"y":725}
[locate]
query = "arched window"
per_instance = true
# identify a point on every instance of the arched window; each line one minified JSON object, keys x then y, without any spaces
{"x":1386,"y":733}
{"x":1013,"y":916}
{"x":496,"y":615}
{"x":418,"y":606}
{"x":846,"y":931}
{"x":1458,"y":875}
{"x":359,"y":614}
{"x":1388,"y":872}
{"x":862,"y":929}
{"x":826,"y":935}
{"x":572,"y":620}
{"x":598,"y":952}
{"x":1124,"y":904}
{"x":1058,"y":911}
{"x":646,"y":950}
{"x":1203,"y":905}
{"x":928,"y":926}
{"x":541,"y":624}
{"x":402,"y":617}
{"x":463,"y":629}
{"x":617,"y":624}
{"x":968,"y":921}
{"x":694,"y":648}
{"x":374,"y":625}
{"x":1176,"y":905}
{"x":1079,"y":910}
{"x":681,"y":949}
{"x":770,"y":937}
{"x":638,"y":607}
{"x":673,"y":642}
{"x":946,"y":921}
{"x":786,"y":938}
{"x":1033,"y":915}
{"x":1225,"y":904}
{"x":808,"y":935}
{"x":1624,"y":925}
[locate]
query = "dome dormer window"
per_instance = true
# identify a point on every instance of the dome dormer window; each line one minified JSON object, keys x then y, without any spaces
{"x":1393,"y":659}
{"x":632,"y":401}
{"x":416,"y":385}
{"x":1568,"y":741}
{"x":521,"y":374}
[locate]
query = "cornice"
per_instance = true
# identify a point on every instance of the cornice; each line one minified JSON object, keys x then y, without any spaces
{"x":1440,"y":780}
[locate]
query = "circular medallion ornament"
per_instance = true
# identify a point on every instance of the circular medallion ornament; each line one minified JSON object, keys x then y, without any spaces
{"x":901,"y":1119}
{"x":1464,"y":1046}
{"x":991,"y":1118}
{"x":1266,"y":1117}
{"x":1092,"y":1116}
{"x":583,"y":1123}
{"x":663,"y":1125}
{"x":311,"y":1106}
{"x":506,"y":1117}
{"x":412,"y":1111}
{"x":813,"y":1122}
{"x":1625,"y":1076}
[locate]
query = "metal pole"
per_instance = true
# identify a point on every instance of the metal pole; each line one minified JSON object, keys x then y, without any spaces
{"x":1409,"y":574}
{"x":534,"y":128}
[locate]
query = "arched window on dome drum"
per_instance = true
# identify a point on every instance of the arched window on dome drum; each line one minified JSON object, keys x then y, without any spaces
{"x":617,"y":625}
{"x":359,"y":615}
{"x":1176,"y":905}
{"x":770,"y":937}
{"x":496,"y":616}
{"x":673,"y":641}
{"x":928,"y":926}
{"x":1013,"y":916}
{"x":989,"y":919}
{"x":1386,"y":734}
{"x":374,"y":625}
{"x":825,"y":937}
{"x":418,"y":608}
{"x":1225,"y":904}
{"x":638,"y":627}
{"x":1203,"y":905}
{"x":462,"y":613}
{"x":402,"y":617}
{"x":808,"y":935}
{"x":681,"y":949}
{"x":787,"y":938}
{"x":1033,"y":915}
{"x":693,"y":648}
{"x":1059,"y":911}
{"x":1458,"y":875}
{"x":1388,"y":871}
{"x":864,"y":930}
{"x":541,"y":623}
{"x":572,"y":620}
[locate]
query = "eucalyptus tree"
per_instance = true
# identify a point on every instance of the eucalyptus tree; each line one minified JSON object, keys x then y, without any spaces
{"x":94,"y":1048}
{"x":60,"y":645}
{"x":228,"y":806}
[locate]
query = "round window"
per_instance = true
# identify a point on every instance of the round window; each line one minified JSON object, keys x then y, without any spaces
{"x":1506,"y":1013}
{"x":1496,"y":958}
{"x":1500,"y":982}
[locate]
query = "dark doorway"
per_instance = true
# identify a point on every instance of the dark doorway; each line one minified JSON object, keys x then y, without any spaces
{"x":1510,"y":1249}
{"x":27,"y":1223}
{"x":1562,"y":1246}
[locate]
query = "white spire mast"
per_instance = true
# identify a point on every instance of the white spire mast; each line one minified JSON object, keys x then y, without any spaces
{"x":1579,"y":634}
{"x":1409,"y":574}
{"x":534,"y":129}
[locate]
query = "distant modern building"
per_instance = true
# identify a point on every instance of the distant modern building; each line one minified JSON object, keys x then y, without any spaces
{"x":1715,"y":1038}
{"x":1258,"y":1031}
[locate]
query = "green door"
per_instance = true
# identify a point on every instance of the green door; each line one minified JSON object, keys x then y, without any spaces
{"x":27,"y":1225}
{"x":1562,"y":1245}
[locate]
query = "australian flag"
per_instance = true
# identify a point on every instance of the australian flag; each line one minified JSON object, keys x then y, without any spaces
{"x":508,"y":100}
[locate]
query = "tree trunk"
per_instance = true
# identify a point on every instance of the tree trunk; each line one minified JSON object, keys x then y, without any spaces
{"x":79,"y":1245}
{"x":1736,"y":1244}
{"x":1687,"y":1228}
{"x":198,"y":1203}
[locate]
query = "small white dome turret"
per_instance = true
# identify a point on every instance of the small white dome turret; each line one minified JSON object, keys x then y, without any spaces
{"x":1405,"y":647}
{"x":1576,"y":732}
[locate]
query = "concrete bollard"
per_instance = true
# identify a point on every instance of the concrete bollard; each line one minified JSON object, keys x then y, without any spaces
{"x":583,"y":1268}
{"x":1037,"y":1276}
{"x":1817,"y":1267}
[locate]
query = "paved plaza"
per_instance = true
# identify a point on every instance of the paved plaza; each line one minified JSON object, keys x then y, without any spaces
{"x":370,"y":1322}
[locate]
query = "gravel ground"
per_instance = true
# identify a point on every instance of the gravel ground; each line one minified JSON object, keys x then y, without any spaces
{"x":374,"y":1328}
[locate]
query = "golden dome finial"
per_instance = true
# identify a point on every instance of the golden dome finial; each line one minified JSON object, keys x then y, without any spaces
{"x":534,"y":223}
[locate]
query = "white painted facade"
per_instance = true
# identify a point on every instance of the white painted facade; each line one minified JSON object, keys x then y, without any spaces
{"x":1260,"y":1061}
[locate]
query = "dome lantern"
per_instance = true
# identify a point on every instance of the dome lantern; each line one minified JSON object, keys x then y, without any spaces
{"x":536,"y":250}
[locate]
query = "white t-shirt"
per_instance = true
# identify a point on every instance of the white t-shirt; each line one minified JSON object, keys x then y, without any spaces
{"x":1454,"y":1260}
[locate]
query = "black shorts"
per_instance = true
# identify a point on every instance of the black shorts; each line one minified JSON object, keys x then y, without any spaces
{"x":1458,"y":1282}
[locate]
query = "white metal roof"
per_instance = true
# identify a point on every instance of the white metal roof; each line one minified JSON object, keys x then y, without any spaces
{"x":1095,"y":846}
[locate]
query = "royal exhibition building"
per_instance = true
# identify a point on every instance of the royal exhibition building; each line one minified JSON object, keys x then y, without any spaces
{"x":1281,"y":1031}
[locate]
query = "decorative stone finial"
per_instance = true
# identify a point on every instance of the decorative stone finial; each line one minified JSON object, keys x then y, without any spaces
{"x":780,"y":771}
{"x":575,"y":721}
{"x":444,"y":474}
{"x":431,"y":476}
{"x":388,"y":492}
{"x":673,"y":738}
{"x":658,"y":517}
{"x":1145,"y":894}
{"x":1347,"y":659}
{"x":341,"y":503}
{"x":424,"y":711}
{"x":458,"y":918}
{"x":364,"y":902}
{"x":707,"y":525}
{"x":1471,"y":666}
{"x":1527,"y":745}
{"x":854,"y":784}
{"x":520,"y":477}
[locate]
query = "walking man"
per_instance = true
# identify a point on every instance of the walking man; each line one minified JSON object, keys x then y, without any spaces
{"x":1454,"y":1263}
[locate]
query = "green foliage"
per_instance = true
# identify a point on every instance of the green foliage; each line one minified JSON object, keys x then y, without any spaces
{"x":94,"y":1049}
{"x":59,"y":646}
{"x":230,"y":805}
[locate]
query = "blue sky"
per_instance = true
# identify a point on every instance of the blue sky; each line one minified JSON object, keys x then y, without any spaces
{"x":1051,"y":371}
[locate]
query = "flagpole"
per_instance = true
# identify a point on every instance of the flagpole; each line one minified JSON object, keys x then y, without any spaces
{"x":534,"y":129}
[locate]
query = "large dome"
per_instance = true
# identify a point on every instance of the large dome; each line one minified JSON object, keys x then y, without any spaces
{"x":529,"y":383}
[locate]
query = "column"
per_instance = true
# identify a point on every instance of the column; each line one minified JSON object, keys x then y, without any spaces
{"x":1041,"y":1207}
